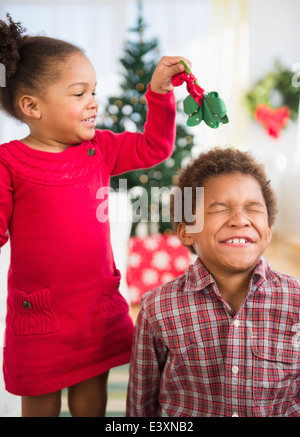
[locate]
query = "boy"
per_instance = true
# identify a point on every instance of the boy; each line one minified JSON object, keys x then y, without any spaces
{"x":222,"y":339}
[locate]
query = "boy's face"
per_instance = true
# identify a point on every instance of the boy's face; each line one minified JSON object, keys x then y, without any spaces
{"x":236,"y":230}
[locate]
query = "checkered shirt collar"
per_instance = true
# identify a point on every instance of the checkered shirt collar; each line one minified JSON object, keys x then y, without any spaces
{"x":199,"y":278}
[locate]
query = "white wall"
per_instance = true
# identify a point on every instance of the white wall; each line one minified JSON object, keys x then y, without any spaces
{"x":274,"y":33}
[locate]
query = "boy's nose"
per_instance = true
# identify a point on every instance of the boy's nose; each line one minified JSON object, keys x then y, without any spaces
{"x":238,"y":219}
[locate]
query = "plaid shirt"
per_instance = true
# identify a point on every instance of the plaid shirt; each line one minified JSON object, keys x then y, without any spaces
{"x":193,"y":356}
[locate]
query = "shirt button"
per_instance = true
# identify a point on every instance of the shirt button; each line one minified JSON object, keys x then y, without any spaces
{"x":235,"y":369}
{"x":91,"y":152}
{"x":26,"y":304}
{"x":235,"y":414}
{"x":236,"y":323}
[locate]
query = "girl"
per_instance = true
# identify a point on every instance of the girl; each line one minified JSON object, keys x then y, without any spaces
{"x":66,"y":324}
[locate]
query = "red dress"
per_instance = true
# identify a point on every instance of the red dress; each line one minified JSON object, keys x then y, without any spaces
{"x":66,"y":320}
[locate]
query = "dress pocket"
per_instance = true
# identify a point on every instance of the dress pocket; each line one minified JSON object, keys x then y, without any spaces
{"x":276,"y":366}
{"x":113,"y":305}
{"x":33,"y":313}
{"x":112,"y":302}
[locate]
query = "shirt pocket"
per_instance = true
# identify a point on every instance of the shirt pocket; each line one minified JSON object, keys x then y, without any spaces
{"x":33,"y":313}
{"x":276,"y":364}
{"x":187,"y":368}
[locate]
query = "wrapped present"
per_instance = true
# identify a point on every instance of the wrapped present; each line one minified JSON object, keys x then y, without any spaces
{"x":153,"y":261}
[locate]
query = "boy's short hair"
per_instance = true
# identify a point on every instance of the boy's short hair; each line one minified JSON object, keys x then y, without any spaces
{"x":218,"y":162}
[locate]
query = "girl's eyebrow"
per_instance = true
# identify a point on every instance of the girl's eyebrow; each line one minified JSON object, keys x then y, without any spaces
{"x":80,"y":83}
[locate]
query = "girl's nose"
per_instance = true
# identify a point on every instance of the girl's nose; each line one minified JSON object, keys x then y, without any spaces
{"x":93,"y":103}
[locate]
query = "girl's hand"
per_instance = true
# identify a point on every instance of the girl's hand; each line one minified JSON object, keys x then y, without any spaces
{"x":167,"y":67}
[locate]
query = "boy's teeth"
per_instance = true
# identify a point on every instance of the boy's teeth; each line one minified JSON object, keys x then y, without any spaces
{"x":237,"y":241}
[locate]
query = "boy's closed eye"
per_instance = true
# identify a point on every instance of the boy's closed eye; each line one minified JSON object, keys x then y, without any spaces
{"x":220,"y":207}
{"x":220,"y":211}
{"x":256,"y":208}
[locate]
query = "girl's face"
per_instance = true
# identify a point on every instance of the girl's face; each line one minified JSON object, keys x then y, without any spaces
{"x":68,"y":108}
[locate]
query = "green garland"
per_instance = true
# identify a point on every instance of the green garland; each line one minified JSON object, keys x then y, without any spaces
{"x":279,"y":80}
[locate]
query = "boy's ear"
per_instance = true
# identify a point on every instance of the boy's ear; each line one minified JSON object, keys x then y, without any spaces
{"x":29,"y":107}
{"x":270,"y":235}
{"x":185,"y":237}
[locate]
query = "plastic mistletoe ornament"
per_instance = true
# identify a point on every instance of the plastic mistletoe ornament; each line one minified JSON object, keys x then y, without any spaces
{"x":199,"y":105}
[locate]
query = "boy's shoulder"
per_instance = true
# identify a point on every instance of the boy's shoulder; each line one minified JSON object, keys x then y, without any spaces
{"x":283,"y":277}
{"x":177,"y":293}
{"x":167,"y":291}
{"x":160,"y":303}
{"x":287,"y":284}
{"x":275,"y":277}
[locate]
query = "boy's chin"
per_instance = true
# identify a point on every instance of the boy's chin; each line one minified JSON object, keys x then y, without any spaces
{"x":240,"y":265}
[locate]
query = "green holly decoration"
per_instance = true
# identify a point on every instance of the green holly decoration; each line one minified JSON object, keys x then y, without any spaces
{"x":212,"y":109}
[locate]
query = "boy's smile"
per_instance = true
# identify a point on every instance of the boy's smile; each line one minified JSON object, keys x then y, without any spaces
{"x":236,"y":230}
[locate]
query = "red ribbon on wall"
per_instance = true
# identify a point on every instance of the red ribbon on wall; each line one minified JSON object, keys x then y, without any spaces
{"x":274,"y":120}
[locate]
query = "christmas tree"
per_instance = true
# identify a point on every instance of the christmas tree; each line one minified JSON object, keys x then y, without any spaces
{"x":128,"y":112}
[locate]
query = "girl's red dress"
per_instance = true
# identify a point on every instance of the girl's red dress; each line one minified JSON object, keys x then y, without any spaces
{"x":66,"y":319}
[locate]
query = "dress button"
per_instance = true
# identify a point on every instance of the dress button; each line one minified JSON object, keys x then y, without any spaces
{"x":235,"y":369}
{"x":26,"y":304}
{"x":91,"y":152}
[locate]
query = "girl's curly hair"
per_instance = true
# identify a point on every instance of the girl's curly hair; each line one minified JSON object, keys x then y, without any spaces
{"x":31,"y":63}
